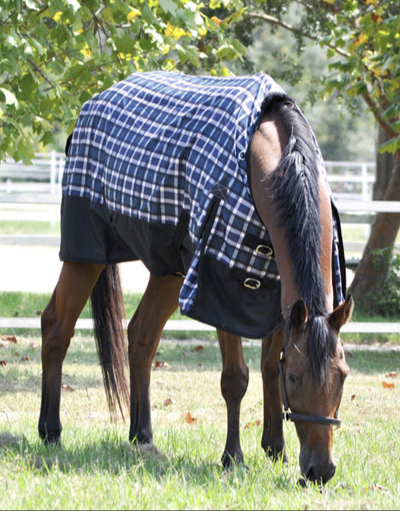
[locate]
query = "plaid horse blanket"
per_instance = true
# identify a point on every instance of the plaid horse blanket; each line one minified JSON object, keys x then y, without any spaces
{"x":157,"y":170}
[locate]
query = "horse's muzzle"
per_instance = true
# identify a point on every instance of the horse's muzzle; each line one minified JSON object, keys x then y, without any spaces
{"x":320,"y":474}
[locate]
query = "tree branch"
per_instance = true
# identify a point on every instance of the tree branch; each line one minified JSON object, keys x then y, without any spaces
{"x":8,"y":17}
{"x":376,"y":110}
{"x":378,"y":115}
{"x":42,"y":74}
{"x":275,"y":21}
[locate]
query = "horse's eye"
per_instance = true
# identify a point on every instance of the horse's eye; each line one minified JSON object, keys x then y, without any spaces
{"x":291,"y":378}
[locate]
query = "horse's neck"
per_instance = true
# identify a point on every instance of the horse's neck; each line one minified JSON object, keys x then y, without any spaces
{"x":266,"y":152}
{"x":326,"y":241}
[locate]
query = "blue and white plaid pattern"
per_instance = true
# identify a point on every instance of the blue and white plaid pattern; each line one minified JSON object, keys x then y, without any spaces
{"x":158,"y":143}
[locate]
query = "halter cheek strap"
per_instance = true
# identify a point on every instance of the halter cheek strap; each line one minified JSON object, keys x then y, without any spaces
{"x":288,"y":415}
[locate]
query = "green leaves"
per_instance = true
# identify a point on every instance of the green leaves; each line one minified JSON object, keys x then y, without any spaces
{"x":55,"y":55}
{"x":391,"y":146}
{"x":168,"y":6}
{"x":9,"y":97}
{"x":366,"y":35}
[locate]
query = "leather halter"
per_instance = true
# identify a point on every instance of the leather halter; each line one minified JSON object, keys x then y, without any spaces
{"x":288,"y":415}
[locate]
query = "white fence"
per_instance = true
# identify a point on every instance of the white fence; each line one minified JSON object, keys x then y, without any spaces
{"x":190,"y":325}
{"x":39,"y":185}
{"x":40,"y":182}
{"x":351,"y":180}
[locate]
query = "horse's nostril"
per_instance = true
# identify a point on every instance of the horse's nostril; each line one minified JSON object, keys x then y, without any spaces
{"x":321,"y":476}
{"x":310,"y":475}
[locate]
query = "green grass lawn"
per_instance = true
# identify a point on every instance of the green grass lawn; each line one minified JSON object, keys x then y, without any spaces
{"x":24,"y":227}
{"x":97,"y":468}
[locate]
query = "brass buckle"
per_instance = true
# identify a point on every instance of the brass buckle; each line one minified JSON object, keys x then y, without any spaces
{"x":252,"y":283}
{"x":264,"y":250}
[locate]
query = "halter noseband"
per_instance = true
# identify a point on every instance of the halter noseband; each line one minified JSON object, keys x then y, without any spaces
{"x":288,"y":415}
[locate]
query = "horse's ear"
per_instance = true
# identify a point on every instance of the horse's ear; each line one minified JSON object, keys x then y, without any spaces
{"x":299,"y":315}
{"x":341,"y":314}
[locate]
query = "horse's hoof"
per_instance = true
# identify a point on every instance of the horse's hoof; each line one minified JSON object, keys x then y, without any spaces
{"x":302,"y":483}
{"x":141,"y":438}
{"x":229,"y":462}
{"x":276,"y":454}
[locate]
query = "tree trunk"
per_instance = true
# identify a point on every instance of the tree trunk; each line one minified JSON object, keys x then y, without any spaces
{"x":368,"y":277}
{"x":384,"y":166}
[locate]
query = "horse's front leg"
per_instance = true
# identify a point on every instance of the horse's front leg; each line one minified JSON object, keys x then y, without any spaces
{"x":58,"y":322}
{"x":234,"y":381}
{"x":272,"y":441}
{"x":159,"y":301}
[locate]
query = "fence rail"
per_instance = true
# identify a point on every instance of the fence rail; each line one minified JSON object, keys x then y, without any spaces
{"x":189,"y":325}
{"x":43,"y":174}
{"x":40,"y":182}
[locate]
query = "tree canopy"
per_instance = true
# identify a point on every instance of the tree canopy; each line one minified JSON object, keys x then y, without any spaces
{"x":55,"y":54}
{"x":362,"y":39}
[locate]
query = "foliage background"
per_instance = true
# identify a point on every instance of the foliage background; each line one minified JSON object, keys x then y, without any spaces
{"x":56,"y":54}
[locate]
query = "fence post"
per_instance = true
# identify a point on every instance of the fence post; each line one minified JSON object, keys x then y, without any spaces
{"x":365,"y":185}
{"x":53,"y":172}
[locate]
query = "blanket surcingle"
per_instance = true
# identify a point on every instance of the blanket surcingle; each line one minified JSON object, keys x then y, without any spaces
{"x":157,"y":170}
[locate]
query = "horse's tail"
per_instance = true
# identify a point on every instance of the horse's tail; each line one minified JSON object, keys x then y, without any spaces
{"x":108,"y":310}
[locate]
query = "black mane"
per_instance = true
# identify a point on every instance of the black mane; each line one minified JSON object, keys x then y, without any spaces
{"x":296,"y":195}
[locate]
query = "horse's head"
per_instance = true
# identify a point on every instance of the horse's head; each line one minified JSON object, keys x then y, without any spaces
{"x":312,"y":374}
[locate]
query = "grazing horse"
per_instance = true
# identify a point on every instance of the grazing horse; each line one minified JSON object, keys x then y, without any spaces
{"x":218,"y":186}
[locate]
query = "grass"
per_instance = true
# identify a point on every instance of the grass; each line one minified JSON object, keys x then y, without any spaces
{"x":22,"y":304}
{"x":23,"y":227}
{"x":97,"y":468}
{"x":18,"y":303}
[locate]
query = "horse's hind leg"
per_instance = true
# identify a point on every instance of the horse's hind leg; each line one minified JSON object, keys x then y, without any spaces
{"x":58,"y":322}
{"x":234,"y":381}
{"x":159,"y":301}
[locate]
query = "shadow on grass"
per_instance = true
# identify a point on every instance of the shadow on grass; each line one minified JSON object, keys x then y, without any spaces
{"x":110,"y":455}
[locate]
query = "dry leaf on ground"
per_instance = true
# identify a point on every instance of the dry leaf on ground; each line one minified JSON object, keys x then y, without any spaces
{"x":378,"y":487}
{"x":158,"y":364}
{"x":67,"y":387}
{"x":9,"y":338}
{"x":189,"y":419}
{"x":253,"y":424}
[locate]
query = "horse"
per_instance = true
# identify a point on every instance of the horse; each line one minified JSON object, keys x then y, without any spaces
{"x":282,"y":177}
